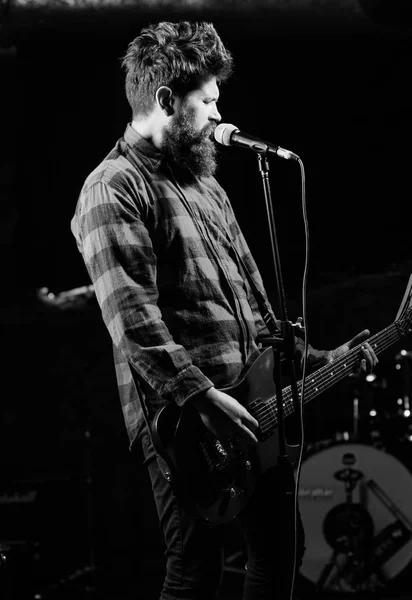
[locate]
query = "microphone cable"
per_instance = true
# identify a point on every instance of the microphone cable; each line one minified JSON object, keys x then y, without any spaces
{"x":304,"y":367}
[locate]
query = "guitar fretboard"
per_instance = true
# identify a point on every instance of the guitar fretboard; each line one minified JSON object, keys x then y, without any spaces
{"x":325,"y":377}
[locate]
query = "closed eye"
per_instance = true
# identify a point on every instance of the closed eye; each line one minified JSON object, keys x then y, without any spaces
{"x":209,"y":100}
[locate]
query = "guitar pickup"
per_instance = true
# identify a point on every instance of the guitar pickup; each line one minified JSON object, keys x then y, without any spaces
{"x":214,"y":454}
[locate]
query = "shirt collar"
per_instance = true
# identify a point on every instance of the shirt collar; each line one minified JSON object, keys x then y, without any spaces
{"x":142,"y":148}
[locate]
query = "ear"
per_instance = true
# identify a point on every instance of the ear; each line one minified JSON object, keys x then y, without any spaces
{"x":166,"y":100}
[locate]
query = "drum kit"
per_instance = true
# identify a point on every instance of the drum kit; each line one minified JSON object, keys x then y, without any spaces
{"x":355,"y":492}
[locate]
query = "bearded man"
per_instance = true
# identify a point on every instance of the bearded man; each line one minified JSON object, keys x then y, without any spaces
{"x":179,"y":294}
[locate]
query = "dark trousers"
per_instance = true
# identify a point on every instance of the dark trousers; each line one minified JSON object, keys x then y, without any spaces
{"x":194,"y":550}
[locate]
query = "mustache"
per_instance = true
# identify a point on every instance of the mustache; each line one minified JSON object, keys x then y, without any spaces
{"x":208,"y":131}
{"x":206,"y":135}
{"x":211,"y":130}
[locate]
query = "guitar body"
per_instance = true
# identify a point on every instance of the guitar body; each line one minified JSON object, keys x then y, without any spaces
{"x":214,"y":478}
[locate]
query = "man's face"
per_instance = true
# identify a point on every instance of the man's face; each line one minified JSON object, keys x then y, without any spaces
{"x":188,"y":142}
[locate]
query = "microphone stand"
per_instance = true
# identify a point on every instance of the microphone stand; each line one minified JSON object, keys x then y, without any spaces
{"x":287,"y":345}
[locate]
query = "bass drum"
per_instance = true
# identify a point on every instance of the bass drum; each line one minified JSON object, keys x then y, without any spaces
{"x":356,"y":506}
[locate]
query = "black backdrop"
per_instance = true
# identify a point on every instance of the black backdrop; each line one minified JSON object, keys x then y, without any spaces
{"x":334,"y":89}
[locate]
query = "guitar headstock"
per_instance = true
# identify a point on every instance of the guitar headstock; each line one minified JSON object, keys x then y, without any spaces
{"x":404,"y":322}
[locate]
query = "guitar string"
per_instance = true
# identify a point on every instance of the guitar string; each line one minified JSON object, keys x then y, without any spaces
{"x":267,"y":413}
{"x":288,"y":406}
{"x":341,"y":370}
{"x":343,"y":367}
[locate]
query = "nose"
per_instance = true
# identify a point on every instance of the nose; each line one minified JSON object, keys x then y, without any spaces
{"x":216,"y":116}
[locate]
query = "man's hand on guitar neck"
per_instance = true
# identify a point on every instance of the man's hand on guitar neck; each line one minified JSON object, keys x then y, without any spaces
{"x":224,"y":416}
{"x":367,"y":359}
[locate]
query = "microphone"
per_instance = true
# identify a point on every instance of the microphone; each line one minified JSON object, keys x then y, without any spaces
{"x":229,"y":135}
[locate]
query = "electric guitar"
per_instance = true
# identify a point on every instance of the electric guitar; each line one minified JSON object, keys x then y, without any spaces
{"x":214,"y":478}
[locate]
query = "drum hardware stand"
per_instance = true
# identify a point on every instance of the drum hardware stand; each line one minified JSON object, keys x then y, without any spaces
{"x":345,"y":542}
{"x":384,"y":498}
{"x":359,"y":394}
{"x":327,"y":570}
{"x":403,"y":359}
{"x":393,"y":537}
{"x":384,"y":545}
{"x":355,"y":426}
{"x":364,"y":562}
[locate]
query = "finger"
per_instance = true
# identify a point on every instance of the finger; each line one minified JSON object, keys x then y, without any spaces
{"x":248,"y":434}
{"x":249,"y":421}
{"x":366,"y":354}
{"x":363,"y":366}
{"x":370,"y":356}
{"x":360,"y":337}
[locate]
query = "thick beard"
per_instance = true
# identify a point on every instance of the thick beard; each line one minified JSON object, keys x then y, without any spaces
{"x":188,"y":152}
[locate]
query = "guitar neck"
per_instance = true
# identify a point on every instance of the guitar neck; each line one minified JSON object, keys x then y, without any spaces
{"x":330,"y":374}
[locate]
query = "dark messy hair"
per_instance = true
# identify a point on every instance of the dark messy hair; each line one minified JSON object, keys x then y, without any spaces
{"x":178,"y":55}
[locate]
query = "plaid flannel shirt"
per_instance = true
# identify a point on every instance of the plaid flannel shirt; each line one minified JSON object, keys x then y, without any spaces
{"x":161,"y":257}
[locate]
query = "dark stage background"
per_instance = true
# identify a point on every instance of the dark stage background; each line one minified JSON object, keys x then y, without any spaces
{"x":333,"y":85}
